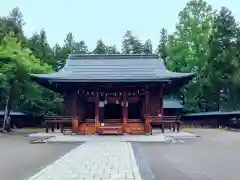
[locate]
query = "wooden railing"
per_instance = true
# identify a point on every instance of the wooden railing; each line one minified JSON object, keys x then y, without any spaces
{"x":112,"y":121}
{"x":134,"y":121}
{"x":57,"y":121}
{"x":89,"y":121}
{"x":172,"y":121}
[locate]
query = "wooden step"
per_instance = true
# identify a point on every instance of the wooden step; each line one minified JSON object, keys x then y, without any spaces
{"x":110,"y":128}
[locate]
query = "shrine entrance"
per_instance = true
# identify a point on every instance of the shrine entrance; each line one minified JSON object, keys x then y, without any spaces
{"x":112,"y":111}
{"x":134,"y":110}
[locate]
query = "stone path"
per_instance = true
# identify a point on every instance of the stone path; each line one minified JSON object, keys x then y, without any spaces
{"x":94,"y":161}
{"x":98,"y":138}
{"x":155,"y":137}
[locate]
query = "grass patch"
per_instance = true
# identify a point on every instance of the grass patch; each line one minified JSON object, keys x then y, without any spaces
{"x":190,"y":129}
{"x":221,"y":130}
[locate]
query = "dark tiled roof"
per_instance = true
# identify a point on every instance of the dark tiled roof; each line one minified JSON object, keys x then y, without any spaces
{"x":171,"y":103}
{"x":113,"y":68}
{"x":13,"y":113}
{"x":213,"y":113}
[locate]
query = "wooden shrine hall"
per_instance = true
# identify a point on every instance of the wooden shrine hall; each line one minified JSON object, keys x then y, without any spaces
{"x":114,"y":93}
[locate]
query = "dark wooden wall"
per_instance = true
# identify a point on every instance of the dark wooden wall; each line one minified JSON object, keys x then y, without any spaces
{"x":155,"y":98}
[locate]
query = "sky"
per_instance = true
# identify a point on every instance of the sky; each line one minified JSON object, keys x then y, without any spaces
{"x":91,"y":20}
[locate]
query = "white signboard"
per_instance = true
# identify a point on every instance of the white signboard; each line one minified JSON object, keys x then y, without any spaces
{"x":101,"y":104}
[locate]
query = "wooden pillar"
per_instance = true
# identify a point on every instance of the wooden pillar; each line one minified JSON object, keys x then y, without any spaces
{"x":161,"y":110}
{"x":80,"y":110}
{"x":125,"y":111}
{"x":47,"y":126}
{"x":142,"y":108}
{"x":147,"y":120}
{"x":161,"y":100}
{"x":68,"y":104}
{"x":96,"y":111}
{"x":147,"y":103}
{"x":74,"y":113}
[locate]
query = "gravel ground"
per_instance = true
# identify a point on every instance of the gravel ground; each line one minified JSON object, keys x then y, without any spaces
{"x":19,"y":159}
{"x":215,"y":156}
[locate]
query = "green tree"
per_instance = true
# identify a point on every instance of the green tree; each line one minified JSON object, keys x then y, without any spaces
{"x":147,"y":47}
{"x":63,"y":52}
{"x":14,"y":22}
{"x":112,"y":50}
{"x":161,"y":49}
{"x":224,"y":59}
{"x":188,"y":49}
{"x":100,"y":48}
{"x":14,"y":73}
{"x":131,"y":44}
{"x":81,"y":47}
{"x":38,"y":43}
{"x":69,"y":42}
{"x":59,"y":56}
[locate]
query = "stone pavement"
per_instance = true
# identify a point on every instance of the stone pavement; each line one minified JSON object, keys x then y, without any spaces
{"x":94,"y":161}
{"x":157,"y":136}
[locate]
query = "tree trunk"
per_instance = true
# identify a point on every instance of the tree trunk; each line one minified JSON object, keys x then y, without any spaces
{"x":7,"y":119}
{"x":6,"y":115}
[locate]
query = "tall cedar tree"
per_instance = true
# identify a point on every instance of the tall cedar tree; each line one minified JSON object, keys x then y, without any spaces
{"x":224,"y":59}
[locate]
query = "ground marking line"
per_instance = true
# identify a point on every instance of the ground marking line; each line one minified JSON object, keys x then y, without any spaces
{"x":57,"y":161}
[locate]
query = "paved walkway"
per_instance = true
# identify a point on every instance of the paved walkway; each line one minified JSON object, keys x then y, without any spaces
{"x":94,"y":161}
{"x":157,"y":136}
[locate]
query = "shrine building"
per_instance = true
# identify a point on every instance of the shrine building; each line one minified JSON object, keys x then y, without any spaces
{"x":113,"y":92}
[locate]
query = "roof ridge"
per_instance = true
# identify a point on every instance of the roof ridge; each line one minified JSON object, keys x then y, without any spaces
{"x":112,"y":56}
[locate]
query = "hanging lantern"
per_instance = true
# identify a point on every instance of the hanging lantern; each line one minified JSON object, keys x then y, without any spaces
{"x":117,"y":102}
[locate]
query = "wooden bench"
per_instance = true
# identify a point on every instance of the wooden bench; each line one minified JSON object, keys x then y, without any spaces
{"x":57,"y":121}
{"x":173,"y":122}
{"x":134,"y":121}
{"x":137,"y":130}
{"x":136,"y":126}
